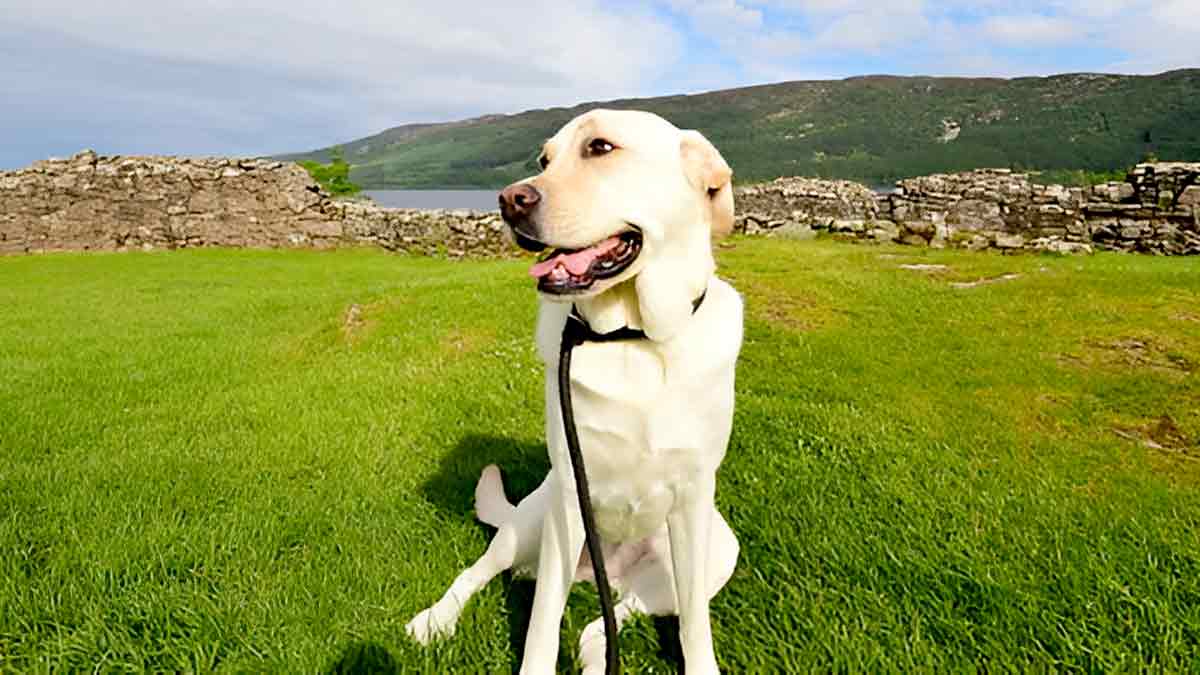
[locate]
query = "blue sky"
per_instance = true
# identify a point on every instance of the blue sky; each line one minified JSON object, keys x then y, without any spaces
{"x":227,"y":77}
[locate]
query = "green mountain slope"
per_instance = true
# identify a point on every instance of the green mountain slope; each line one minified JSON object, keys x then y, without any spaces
{"x":873,"y":129}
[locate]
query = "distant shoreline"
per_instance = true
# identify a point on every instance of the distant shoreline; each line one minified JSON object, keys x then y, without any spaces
{"x":478,"y":199}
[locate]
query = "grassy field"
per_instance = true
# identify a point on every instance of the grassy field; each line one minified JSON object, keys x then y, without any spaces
{"x":264,"y":461}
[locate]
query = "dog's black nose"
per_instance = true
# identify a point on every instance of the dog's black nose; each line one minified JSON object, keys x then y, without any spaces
{"x":517,"y":202}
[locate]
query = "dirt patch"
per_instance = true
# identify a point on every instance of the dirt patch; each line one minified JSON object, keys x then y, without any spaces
{"x":352,"y":321}
{"x":459,"y":342}
{"x":1140,"y":352}
{"x":358,"y":320}
{"x":773,"y":301}
{"x":1151,"y":354}
{"x":1042,"y":415}
{"x":789,"y":310}
{"x":985,"y":281}
{"x":786,"y":313}
{"x":1186,"y":317}
{"x":923,"y":267}
{"x":1161,"y":434}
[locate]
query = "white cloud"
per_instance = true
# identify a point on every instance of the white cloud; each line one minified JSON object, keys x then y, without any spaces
{"x":275,"y":75}
{"x":967,"y":37}
{"x":1166,"y":35}
{"x":382,"y":63}
{"x":1030,"y":29}
{"x":719,"y":15}
{"x":544,"y":45}
{"x":872,"y":32}
{"x":843,"y":6}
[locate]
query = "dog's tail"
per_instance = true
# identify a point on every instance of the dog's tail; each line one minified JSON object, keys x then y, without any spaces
{"x":491,"y":504}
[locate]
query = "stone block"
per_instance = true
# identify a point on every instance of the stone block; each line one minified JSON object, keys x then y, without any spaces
{"x":1008,"y":240}
{"x":1190,"y":196}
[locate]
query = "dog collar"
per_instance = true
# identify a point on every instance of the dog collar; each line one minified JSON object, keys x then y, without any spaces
{"x":579,"y":331}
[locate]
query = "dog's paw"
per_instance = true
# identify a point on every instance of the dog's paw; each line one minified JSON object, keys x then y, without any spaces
{"x":426,"y":627}
{"x":591,"y":648}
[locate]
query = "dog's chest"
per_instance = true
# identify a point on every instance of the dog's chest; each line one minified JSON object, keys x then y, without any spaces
{"x":641,"y":430}
{"x":632,"y":494}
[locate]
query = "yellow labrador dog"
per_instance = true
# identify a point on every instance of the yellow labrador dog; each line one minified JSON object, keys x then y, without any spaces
{"x":627,"y":205}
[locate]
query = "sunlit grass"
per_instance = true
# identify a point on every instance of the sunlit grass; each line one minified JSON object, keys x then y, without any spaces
{"x":264,"y":460}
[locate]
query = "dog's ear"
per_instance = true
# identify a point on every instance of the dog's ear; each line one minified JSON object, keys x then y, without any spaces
{"x":707,"y":171}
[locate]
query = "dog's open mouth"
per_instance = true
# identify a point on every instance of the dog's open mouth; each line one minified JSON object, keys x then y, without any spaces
{"x":566,"y":271}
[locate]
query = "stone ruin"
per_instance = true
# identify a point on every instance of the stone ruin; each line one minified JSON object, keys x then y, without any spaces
{"x":1155,"y":210}
{"x":91,"y":202}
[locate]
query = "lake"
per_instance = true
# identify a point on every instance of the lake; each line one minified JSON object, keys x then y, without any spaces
{"x":481,"y":200}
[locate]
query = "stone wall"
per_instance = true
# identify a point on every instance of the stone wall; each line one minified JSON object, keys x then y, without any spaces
{"x":1155,"y":210}
{"x":90,"y":202}
{"x":455,"y":233}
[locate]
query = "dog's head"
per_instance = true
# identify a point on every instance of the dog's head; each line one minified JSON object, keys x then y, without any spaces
{"x":623,"y":195}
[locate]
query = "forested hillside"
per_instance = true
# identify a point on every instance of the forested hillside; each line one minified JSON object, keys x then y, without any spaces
{"x":872,"y":129}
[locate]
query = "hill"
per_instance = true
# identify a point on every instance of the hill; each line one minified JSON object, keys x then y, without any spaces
{"x":874,"y":129}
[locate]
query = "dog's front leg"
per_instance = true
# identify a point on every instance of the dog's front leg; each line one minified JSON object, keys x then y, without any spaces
{"x":562,"y":544}
{"x":689,"y":526}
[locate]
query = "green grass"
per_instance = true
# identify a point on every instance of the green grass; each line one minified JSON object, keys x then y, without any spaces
{"x":1077,"y":177}
{"x":209,"y":462}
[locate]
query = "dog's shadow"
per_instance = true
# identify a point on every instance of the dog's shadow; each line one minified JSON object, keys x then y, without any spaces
{"x":524,"y":465}
{"x":452,"y":489}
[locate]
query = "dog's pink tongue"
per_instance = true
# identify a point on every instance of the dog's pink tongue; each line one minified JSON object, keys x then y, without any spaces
{"x":577,"y":263}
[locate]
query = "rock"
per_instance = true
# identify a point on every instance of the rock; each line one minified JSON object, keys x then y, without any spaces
{"x":1057,"y":192}
{"x":798,"y":231}
{"x":1130,"y":230}
{"x":985,"y":281}
{"x":856,"y":226}
{"x":977,"y":242}
{"x":923,"y":228}
{"x":1008,"y":240}
{"x":950,"y":131}
{"x":808,"y":200}
{"x":1061,"y":247}
{"x":1190,"y":196}
{"x":884,"y":230}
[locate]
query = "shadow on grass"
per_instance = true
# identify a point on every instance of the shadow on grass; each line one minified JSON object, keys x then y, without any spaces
{"x":364,"y":658}
{"x":452,"y":488}
{"x":518,"y":598}
{"x":669,"y":650}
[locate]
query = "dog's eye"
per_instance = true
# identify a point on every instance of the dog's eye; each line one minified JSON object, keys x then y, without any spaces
{"x":600,"y":146}
{"x":543,"y":161}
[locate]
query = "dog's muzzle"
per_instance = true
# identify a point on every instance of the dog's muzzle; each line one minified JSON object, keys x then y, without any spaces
{"x":517,"y":205}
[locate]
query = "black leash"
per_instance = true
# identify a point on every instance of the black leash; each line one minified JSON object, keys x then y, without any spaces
{"x":576,"y":332}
